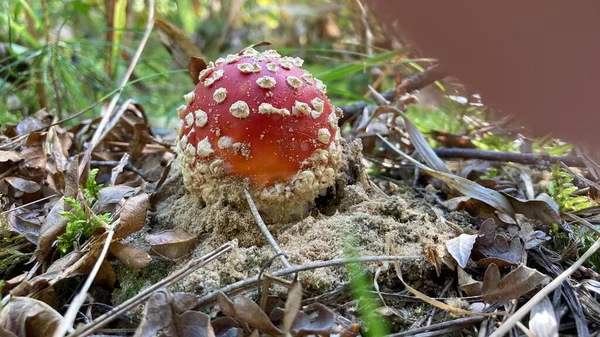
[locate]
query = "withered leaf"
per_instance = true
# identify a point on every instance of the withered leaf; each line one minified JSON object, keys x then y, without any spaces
{"x":292,"y":307}
{"x":169,"y":314}
{"x":245,"y":310}
{"x":172,"y":244}
{"x":28,"y":317}
{"x":460,"y":248}
{"x":195,"y":66}
{"x":133,"y":215}
{"x":176,"y":42}
{"x":23,"y":185}
{"x":501,"y":252}
{"x":54,"y":226}
{"x":25,"y":223}
{"x":9,"y":156}
{"x":467,"y":284}
{"x":109,"y":197}
{"x":535,"y":209}
{"x":132,"y":257}
{"x":313,"y":319}
{"x":517,"y":283}
{"x":106,"y":276}
{"x":542,"y":319}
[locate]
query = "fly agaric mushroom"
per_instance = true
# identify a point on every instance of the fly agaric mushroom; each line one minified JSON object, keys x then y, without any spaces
{"x":258,"y":121}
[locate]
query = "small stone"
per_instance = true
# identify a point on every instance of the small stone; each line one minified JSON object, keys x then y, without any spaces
{"x":240,"y":109}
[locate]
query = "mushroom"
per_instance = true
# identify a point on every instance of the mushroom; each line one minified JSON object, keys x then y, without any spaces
{"x":258,"y":121}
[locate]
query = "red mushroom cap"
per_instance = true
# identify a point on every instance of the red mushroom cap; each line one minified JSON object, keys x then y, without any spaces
{"x":262,"y":119}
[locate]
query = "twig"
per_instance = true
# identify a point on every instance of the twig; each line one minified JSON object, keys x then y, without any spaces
{"x":411,"y":83}
{"x":189,"y":268}
{"x":522,"y":158}
{"x":253,"y":281}
{"x":71,"y":314}
{"x":457,"y":323}
{"x":265,"y":230}
{"x":513,"y":319}
{"x":30,"y":203}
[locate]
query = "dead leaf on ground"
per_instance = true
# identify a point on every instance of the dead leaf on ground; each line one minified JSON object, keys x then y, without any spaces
{"x":54,"y":226}
{"x":172,"y":244}
{"x":171,"y":315}
{"x":133,"y":216}
{"x":314,"y":319}
{"x":468,"y":284}
{"x":460,"y":248}
{"x":517,"y":283}
{"x":132,"y":257}
{"x":542,"y":319}
{"x":501,"y":252}
{"x":23,"y":185}
{"x":245,"y":310}
{"x":9,"y":156}
{"x":28,"y":317}
{"x":26,"y":223}
{"x":108,"y":197}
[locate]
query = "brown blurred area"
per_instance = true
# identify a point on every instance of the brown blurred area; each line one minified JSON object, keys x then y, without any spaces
{"x":536,"y":59}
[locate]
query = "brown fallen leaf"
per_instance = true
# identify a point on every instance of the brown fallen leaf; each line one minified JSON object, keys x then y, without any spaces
{"x":133,"y":216}
{"x":108,"y":197}
{"x":132,"y":257}
{"x":176,"y":42}
{"x":467,"y":284}
{"x":23,"y":185}
{"x":245,"y":310}
{"x":28,"y":317}
{"x":195,"y":66}
{"x":517,"y":283}
{"x":54,"y":225}
{"x":9,"y":156}
{"x":171,"y":315}
{"x":172,"y":244}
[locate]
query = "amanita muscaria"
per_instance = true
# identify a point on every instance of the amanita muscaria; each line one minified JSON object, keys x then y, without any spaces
{"x":258,"y":121}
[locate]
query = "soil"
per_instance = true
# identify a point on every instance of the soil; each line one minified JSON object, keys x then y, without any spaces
{"x":352,"y":214}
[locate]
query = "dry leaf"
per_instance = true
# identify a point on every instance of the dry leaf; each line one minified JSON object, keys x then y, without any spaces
{"x":292,"y":307}
{"x":195,"y":66}
{"x":460,"y":248}
{"x":467,"y":284}
{"x":23,"y":185}
{"x":106,"y":277}
{"x":133,"y":216}
{"x":245,"y":310}
{"x":28,"y":317}
{"x":54,"y":226}
{"x":501,"y":252}
{"x":132,"y":257}
{"x":517,"y":283}
{"x":172,"y":244}
{"x":9,"y":156}
{"x":177,"y":42}
{"x":542,"y":319}
{"x":172,"y":315}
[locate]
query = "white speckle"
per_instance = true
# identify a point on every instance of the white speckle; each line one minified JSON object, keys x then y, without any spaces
{"x":323,"y":135}
{"x":286,"y":64}
{"x":332,"y":119}
{"x":271,"y":53}
{"x":239,"y":109}
{"x":204,"y":148}
{"x":249,"y":67}
{"x":183,"y":142}
{"x":268,"y":109}
{"x":231,"y":58}
{"x":189,"y":97}
{"x":266,"y":82}
{"x":204,"y":73}
{"x":301,"y":108}
{"x":321,"y":87}
{"x":179,"y":127}
{"x":190,"y":150}
{"x":201,"y":118}
{"x":219,"y":61}
{"x":225,"y":142}
{"x":181,"y":110}
{"x":298,"y":62}
{"x":213,"y":78}
{"x":294,"y":82}
{"x":317,"y":103}
{"x":249,"y":52}
{"x":308,"y":78}
{"x":272,"y":67}
{"x":315,"y":114}
{"x":189,"y":119}
{"x":220,"y":95}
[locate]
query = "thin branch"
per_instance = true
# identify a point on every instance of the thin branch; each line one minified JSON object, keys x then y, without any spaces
{"x":253,"y":281}
{"x":521,"y":158}
{"x":265,"y":230}
{"x":411,"y":83}
{"x":524,"y":310}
